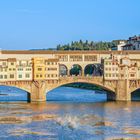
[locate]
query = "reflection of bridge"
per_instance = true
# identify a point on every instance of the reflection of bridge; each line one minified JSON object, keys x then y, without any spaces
{"x":38,"y":72}
{"x":37,"y":89}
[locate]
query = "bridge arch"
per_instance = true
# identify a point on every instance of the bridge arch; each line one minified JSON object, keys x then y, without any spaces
{"x":98,"y":81}
{"x":63,"y":70}
{"x":17,"y":87}
{"x":93,"y":70}
{"x":135,"y":94}
{"x":76,"y":70}
{"x":111,"y":95}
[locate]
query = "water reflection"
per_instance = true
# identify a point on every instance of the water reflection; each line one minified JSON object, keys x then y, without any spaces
{"x":107,"y":120}
{"x":70,"y":120}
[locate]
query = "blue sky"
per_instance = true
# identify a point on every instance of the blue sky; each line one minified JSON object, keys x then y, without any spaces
{"x":28,"y":24}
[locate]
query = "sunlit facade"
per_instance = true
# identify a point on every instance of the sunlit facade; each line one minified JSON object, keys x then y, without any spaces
{"x":24,"y":70}
{"x":121,"y":68}
{"x":44,"y":68}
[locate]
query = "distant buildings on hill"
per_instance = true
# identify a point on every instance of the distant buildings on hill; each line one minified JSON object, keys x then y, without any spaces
{"x":133,"y":43}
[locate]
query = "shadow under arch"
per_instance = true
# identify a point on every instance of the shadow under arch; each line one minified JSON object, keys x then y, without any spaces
{"x":93,"y":69}
{"x":135,"y":95}
{"x":111,"y":96}
{"x":76,"y":70}
{"x":9,"y":89}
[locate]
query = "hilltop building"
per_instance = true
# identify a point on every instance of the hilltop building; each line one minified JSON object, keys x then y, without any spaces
{"x":133,"y":43}
{"x":119,"y":46}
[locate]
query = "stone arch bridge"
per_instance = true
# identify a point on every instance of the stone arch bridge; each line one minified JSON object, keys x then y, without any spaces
{"x":37,"y":90}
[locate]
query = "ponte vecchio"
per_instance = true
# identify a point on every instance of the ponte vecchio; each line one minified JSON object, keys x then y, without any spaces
{"x":40,"y":71}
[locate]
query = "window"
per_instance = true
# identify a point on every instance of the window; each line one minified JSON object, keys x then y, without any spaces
{"x":5,"y":76}
{"x":19,"y":76}
{"x":11,"y":76}
{"x":76,"y":58}
{"x":27,"y":75}
{"x":132,"y":75}
{"x":4,"y":63}
{"x":52,"y":69}
{"x":28,"y":69}
{"x":1,"y":76}
{"x":106,"y":75}
{"x":12,"y":63}
{"x":20,"y":69}
{"x":106,"y":63}
{"x":39,"y":69}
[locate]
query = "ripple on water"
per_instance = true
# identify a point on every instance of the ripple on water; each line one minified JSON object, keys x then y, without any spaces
{"x":27,"y":131}
{"x":134,"y":131}
{"x":25,"y":119}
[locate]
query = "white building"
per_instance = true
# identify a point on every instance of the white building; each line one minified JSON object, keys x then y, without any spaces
{"x":24,"y":70}
{"x":133,"y":43}
{"x":120,"y":45}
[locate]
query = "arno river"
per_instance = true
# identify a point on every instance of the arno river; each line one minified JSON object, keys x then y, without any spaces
{"x":69,"y":114}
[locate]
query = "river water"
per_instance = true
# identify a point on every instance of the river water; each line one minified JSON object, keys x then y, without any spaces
{"x":69,"y":114}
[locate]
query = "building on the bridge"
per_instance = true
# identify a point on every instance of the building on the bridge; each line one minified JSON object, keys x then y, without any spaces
{"x":3,"y":69}
{"x":11,"y":71}
{"x":24,"y":70}
{"x":8,"y":69}
{"x":45,"y":68}
{"x":111,"y":69}
{"x":121,"y":68}
{"x":51,"y":69}
{"x":38,"y":68}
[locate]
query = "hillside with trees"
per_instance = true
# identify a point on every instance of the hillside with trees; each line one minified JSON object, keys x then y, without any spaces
{"x":86,"y":45}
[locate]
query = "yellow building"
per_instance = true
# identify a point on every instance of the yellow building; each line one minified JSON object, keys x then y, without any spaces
{"x":38,"y":68}
{"x":44,"y":68}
